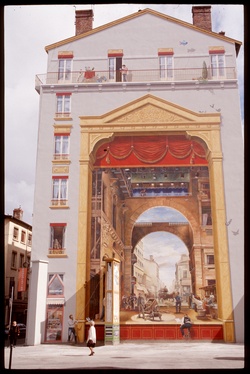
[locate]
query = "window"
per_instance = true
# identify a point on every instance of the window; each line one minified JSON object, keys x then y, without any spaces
{"x":206,"y":215}
{"x":210,"y":259}
{"x":29,"y":239}
{"x":54,"y":321}
{"x":21,"y":262}
{"x":23,"y":236}
{"x":204,"y":190}
{"x":61,"y":150}
{"x":217,"y":58}
{"x":115,"y":64}
{"x":60,"y":190}
{"x":111,"y":68}
{"x":166,"y":67}
{"x":12,"y":286}
{"x":13,"y":260}
{"x":55,"y":286}
{"x":63,"y":105}
{"x":64,"y":69}
{"x":57,"y":236}
{"x":217,"y":66}
{"x":15,"y":233}
{"x":166,"y":62}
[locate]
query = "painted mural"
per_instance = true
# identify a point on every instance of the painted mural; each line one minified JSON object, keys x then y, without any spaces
{"x":157,"y":221}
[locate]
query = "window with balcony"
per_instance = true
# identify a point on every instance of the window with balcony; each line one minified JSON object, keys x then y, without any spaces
{"x":59,"y":191}
{"x":165,"y":63}
{"x":63,"y":105}
{"x":64,"y":69}
{"x":57,"y":238}
{"x":166,"y":67}
{"x":115,"y":64}
{"x":217,"y":58}
{"x":61,"y":146}
{"x":218,"y":66}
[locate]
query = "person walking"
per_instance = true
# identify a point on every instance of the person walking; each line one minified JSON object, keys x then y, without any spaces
{"x":14,"y":333}
{"x":185,"y":324}
{"x":91,"y":339}
{"x":178,"y":303}
{"x":71,"y":329}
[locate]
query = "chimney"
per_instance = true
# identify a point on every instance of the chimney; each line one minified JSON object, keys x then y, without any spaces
{"x":18,"y":213}
{"x":202,"y":17}
{"x":84,"y":21}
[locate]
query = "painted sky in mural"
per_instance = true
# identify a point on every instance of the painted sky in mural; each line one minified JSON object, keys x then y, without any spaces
{"x":166,"y":248}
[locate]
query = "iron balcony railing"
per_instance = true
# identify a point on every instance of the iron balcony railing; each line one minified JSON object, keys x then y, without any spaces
{"x":134,"y":76}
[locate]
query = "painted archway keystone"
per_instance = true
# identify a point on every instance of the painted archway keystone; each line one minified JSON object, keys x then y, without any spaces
{"x":151,"y":115}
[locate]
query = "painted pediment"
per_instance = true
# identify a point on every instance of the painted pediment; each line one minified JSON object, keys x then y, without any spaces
{"x":149,"y":110}
{"x":150,"y":113}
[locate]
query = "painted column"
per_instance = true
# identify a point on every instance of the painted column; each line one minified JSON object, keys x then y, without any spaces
{"x":37,"y":303}
{"x":84,"y":237}
{"x":222,"y":266}
{"x":112,"y":297}
{"x":127,"y":270}
{"x":198,"y":268}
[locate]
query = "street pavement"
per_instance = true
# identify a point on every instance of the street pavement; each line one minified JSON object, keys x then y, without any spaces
{"x":136,"y":356}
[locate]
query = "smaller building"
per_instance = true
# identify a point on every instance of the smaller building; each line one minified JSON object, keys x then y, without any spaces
{"x":183,"y":278}
{"x":17,"y":252}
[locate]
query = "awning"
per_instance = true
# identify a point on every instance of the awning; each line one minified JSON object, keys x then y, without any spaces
{"x":55,"y":301}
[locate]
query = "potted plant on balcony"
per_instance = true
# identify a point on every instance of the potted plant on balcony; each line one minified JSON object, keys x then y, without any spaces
{"x":204,"y":73}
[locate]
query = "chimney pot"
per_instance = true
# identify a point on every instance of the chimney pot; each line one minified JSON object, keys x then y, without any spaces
{"x":18,"y":213}
{"x":202,"y":17}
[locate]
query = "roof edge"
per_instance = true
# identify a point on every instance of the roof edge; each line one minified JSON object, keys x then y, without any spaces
{"x":138,"y":14}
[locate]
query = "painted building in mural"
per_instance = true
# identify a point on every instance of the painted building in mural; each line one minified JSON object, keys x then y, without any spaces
{"x":116,"y":143}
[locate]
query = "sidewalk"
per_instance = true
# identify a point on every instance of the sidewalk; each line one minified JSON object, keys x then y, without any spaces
{"x":133,"y":355}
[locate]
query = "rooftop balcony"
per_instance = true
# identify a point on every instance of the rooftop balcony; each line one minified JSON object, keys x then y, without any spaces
{"x":135,"y":76}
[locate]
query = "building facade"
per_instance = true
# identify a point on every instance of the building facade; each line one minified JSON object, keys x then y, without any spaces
{"x":17,"y":253}
{"x":115,"y":142}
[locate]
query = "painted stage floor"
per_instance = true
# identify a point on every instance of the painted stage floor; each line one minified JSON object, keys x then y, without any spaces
{"x":169,"y":316}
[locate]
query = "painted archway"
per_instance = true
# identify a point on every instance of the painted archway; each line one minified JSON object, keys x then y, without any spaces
{"x":152,"y":116}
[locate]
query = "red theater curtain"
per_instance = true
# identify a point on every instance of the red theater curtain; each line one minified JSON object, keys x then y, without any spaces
{"x":150,"y":149}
